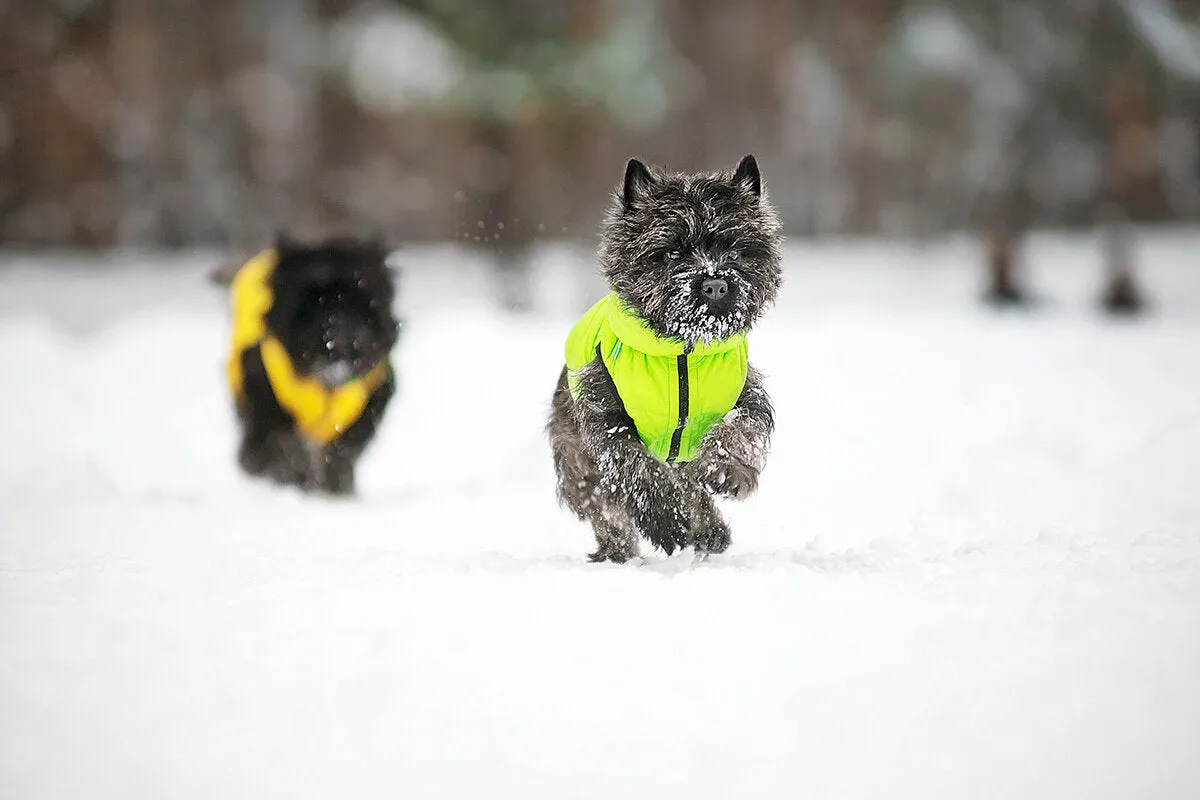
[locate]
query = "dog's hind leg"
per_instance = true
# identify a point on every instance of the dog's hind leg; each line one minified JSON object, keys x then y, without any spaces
{"x":275,"y":453}
{"x":614,"y":542}
{"x":578,"y":479}
{"x":253,"y":454}
{"x":288,"y":460}
{"x":270,"y":446}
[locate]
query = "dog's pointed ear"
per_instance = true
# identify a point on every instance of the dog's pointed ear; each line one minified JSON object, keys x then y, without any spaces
{"x":638,"y":179}
{"x":393,"y":270}
{"x":374,"y":239}
{"x":376,"y":245}
{"x":284,"y":243}
{"x":747,"y":175}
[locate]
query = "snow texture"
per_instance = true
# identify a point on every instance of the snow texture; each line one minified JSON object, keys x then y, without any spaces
{"x":972,"y":569}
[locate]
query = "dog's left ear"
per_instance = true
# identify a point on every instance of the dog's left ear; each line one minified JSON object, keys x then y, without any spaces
{"x":377,"y":246}
{"x":747,"y":175}
{"x":394,"y":272}
{"x":284,"y":242}
{"x":375,"y":241}
{"x":638,"y":180}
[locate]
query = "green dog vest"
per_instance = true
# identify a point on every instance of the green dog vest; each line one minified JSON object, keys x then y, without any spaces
{"x":674,"y":397}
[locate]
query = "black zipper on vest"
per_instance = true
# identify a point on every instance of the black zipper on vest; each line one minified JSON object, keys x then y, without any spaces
{"x":677,"y":436}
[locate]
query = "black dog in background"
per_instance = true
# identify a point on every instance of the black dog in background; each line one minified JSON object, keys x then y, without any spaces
{"x":309,"y":367}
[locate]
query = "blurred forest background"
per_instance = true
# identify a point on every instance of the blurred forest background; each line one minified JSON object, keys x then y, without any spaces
{"x":163,"y":123}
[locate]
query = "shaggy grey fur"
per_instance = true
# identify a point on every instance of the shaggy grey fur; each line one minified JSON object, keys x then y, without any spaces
{"x":666,"y":239}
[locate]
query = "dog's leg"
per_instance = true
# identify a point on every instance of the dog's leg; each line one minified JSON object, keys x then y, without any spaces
{"x":270,"y":446}
{"x":578,"y":478}
{"x":259,"y":414}
{"x":337,"y":477}
{"x":614,"y":542}
{"x":579,"y":482}
{"x":632,"y":482}
{"x":277,"y":454}
{"x":253,"y":453}
{"x":338,"y":459}
{"x":709,"y":531}
{"x":734,"y":451}
{"x":288,"y":459}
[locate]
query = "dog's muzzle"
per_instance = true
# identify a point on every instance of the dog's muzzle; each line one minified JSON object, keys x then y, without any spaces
{"x":336,"y":374}
{"x":717,"y":294}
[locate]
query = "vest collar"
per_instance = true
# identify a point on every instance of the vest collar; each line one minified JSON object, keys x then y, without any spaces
{"x":322,"y":414}
{"x":635,"y":333}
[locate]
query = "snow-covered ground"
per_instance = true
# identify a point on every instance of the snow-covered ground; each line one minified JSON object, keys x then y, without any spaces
{"x":972,"y":571}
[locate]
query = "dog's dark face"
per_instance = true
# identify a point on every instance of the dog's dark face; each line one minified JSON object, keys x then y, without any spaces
{"x":695,"y":256}
{"x":332,"y":307}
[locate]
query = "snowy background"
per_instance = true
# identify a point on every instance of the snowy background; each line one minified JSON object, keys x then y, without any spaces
{"x":972,"y":570}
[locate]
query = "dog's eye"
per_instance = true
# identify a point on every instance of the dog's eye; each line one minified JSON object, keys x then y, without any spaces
{"x":674,"y":255}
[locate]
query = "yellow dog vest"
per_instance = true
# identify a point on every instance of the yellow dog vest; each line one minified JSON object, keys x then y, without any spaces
{"x":320,"y":414}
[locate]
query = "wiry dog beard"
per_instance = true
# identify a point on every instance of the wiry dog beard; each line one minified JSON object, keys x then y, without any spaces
{"x":697,"y":258}
{"x":685,"y":317}
{"x":666,"y":233}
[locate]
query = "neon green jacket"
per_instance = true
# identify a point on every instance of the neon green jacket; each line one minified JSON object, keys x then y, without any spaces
{"x":673,"y":397}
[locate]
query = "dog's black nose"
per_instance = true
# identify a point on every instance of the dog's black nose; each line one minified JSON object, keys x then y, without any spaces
{"x":714,"y":289}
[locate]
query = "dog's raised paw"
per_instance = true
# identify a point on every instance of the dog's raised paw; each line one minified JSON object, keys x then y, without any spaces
{"x":730,"y":478}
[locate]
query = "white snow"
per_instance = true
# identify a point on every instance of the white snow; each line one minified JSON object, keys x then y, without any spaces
{"x":972,"y":570}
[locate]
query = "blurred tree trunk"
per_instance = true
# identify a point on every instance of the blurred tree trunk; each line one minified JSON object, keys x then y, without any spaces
{"x":504,"y":230}
{"x":289,"y":138}
{"x":208,"y":53}
{"x":1130,"y":143}
{"x":694,"y":140}
{"x":775,"y":26}
{"x":1121,"y":295}
{"x":862,"y":27}
{"x":57,"y":103}
{"x":1007,"y":213}
{"x":738,"y":51}
{"x":1131,"y":169}
{"x":137,"y":68}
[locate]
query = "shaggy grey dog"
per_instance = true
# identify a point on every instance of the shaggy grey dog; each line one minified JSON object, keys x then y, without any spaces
{"x":694,"y":260}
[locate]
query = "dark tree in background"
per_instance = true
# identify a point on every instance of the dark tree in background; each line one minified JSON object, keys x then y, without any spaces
{"x":517,"y":130}
{"x":212,"y":122}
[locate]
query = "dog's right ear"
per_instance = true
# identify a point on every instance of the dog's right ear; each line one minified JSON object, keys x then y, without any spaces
{"x":638,"y":179}
{"x":747,"y":175}
{"x":284,"y":243}
{"x":392,"y":269}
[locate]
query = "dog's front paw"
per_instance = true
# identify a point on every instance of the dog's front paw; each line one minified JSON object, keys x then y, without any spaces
{"x":715,"y":538}
{"x":617,"y":554}
{"x":666,"y":526}
{"x":727,"y":477}
{"x":338,"y":483}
